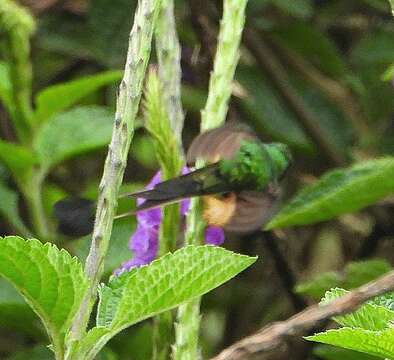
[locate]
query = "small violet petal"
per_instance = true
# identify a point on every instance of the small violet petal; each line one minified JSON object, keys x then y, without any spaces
{"x":214,"y":235}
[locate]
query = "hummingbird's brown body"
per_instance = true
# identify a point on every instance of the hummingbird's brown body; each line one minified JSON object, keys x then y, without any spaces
{"x":245,"y":211}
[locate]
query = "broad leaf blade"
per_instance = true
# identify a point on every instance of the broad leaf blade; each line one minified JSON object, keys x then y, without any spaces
{"x":327,"y":352}
{"x":18,"y":159}
{"x":54,"y":99}
{"x":339,"y":192}
{"x":354,"y":275}
{"x":9,"y":209}
{"x":50,"y":280}
{"x":15,"y":314}
{"x":73,"y":132}
{"x":164,"y":284}
{"x":369,"y":316}
{"x":377,"y":343}
{"x":174,"y":279}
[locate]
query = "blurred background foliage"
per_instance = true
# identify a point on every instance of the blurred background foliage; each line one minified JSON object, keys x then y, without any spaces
{"x":315,"y":74}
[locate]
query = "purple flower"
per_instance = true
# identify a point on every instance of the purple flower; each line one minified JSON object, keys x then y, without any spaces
{"x":214,"y":235}
{"x":144,"y":242}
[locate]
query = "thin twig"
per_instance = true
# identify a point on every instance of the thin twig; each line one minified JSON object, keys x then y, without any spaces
{"x":275,"y":335}
{"x":309,"y":123}
{"x":126,"y":109}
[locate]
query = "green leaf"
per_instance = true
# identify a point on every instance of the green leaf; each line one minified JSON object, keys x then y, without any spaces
{"x":171,"y":280}
{"x":314,"y":45}
{"x":71,"y":133}
{"x":374,"y":49}
{"x":377,"y":343}
{"x":298,"y":8}
{"x":327,"y":352}
{"x":164,"y":284}
{"x":388,"y":74}
{"x":6,"y":87}
{"x":339,"y":192}
{"x":9,"y":210}
{"x":369,"y":316}
{"x":110,"y":25}
{"x":263,"y":104}
{"x":50,"y":280}
{"x":17,"y":158}
{"x":355,"y":274}
{"x":39,"y":352}
{"x":57,"y":98}
{"x":15,"y":314}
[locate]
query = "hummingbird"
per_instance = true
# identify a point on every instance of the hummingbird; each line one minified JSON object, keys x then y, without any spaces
{"x":239,"y":183}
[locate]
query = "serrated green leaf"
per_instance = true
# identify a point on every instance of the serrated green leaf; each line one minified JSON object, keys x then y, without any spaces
{"x":338,"y":192}
{"x":9,"y":210}
{"x":328,"y":352}
{"x":164,"y":284}
{"x":57,"y":98}
{"x":50,"y":280}
{"x":369,"y":316}
{"x":376,"y":343}
{"x":71,"y":133}
{"x":354,"y":275}
{"x":173,"y":279}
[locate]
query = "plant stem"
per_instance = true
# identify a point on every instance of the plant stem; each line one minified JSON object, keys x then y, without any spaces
{"x":19,"y":26}
{"x":170,"y":74}
{"x":33,"y":195}
{"x":214,"y":115}
{"x":126,"y":109}
{"x":169,"y":58}
{"x":188,"y":317}
{"x":225,"y":62}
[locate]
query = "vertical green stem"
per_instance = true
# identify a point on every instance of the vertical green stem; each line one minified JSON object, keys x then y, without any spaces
{"x":169,"y":59}
{"x":188,"y":317}
{"x":126,"y":109}
{"x":170,"y":73}
{"x":214,"y":115}
{"x":19,"y":26}
{"x":33,"y":194}
{"x":225,"y":62}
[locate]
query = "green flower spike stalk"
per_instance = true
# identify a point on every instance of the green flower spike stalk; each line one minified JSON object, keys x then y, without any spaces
{"x":126,"y":109}
{"x":214,"y":115}
{"x":166,"y":148}
{"x":169,"y":58}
